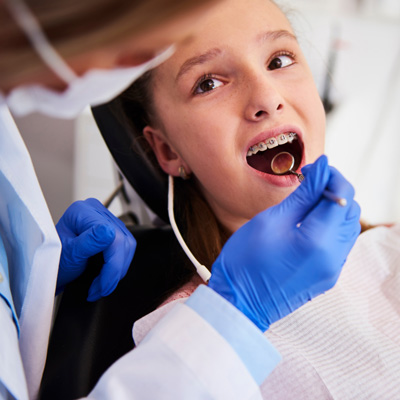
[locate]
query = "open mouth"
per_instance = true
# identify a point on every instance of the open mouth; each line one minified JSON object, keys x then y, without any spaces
{"x":261,"y":154}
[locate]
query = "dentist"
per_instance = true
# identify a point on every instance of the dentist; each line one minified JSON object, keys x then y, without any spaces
{"x":56,"y":57}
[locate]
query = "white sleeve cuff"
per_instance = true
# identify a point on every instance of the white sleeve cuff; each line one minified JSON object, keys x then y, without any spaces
{"x":253,"y":348}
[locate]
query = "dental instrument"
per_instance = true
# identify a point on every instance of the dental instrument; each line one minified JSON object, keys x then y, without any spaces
{"x":283,"y":163}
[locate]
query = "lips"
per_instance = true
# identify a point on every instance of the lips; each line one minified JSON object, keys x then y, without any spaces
{"x":259,"y":156}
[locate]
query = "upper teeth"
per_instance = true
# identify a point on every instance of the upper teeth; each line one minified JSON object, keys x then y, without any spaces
{"x":272,"y":142}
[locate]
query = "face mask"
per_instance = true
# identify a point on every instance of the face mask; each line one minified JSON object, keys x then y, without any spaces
{"x":93,"y":88}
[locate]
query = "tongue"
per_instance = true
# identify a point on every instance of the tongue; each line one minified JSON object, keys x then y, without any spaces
{"x":262,"y":160}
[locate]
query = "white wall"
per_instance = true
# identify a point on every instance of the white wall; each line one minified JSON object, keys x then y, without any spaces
{"x":51,"y":145}
{"x":362,"y":129}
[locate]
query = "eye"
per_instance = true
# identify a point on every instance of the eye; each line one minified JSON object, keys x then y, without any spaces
{"x":281,"y":61}
{"x":206,"y":84}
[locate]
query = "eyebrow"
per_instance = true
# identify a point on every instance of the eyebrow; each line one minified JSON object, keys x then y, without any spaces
{"x":197,"y":60}
{"x":209,"y":55}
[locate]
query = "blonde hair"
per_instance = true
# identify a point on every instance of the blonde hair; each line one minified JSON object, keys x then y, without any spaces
{"x":77,"y":26}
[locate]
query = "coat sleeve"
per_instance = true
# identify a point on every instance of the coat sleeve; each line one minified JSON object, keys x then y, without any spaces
{"x":202,"y":349}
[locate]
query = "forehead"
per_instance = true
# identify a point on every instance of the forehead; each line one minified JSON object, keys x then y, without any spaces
{"x":243,"y":15}
{"x":233,"y":25}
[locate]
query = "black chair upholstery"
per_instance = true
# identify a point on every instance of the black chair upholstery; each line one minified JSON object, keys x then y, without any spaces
{"x":148,"y":182}
{"x":88,"y":337}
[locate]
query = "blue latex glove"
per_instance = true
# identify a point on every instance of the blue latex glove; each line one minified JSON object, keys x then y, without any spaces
{"x":88,"y":228}
{"x":271,"y":266}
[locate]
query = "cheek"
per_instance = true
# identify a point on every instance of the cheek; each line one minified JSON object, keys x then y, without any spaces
{"x":194,"y":141}
{"x":198,"y":134}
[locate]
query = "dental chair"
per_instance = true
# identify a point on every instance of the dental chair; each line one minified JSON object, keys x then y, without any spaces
{"x":88,"y":337}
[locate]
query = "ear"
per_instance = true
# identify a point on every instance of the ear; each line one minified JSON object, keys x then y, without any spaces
{"x":168,"y":158}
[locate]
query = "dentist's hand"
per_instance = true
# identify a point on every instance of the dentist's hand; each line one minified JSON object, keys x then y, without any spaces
{"x":88,"y":228}
{"x":289,"y":253}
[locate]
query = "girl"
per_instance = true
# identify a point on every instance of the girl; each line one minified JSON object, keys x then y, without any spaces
{"x":216,"y":114}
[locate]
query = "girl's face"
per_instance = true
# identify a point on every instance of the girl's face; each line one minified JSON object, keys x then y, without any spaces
{"x":242,"y":82}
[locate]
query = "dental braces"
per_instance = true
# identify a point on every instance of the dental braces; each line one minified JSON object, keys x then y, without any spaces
{"x":272,"y":142}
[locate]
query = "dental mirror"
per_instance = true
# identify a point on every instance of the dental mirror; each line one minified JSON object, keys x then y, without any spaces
{"x":283,"y":163}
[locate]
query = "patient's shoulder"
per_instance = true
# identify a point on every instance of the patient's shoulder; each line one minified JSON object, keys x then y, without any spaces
{"x":185,"y":291}
{"x":146,"y":323}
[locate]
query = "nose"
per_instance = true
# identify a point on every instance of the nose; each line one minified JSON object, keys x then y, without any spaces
{"x":264,"y":98}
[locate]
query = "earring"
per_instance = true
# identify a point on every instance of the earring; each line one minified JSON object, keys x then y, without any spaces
{"x":182,"y":173}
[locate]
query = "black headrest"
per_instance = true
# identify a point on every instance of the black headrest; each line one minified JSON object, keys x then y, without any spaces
{"x":149,"y":183}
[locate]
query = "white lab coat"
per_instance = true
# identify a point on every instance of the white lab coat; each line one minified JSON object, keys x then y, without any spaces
{"x":188,"y":360}
{"x":183,"y":357}
{"x":33,"y":251}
